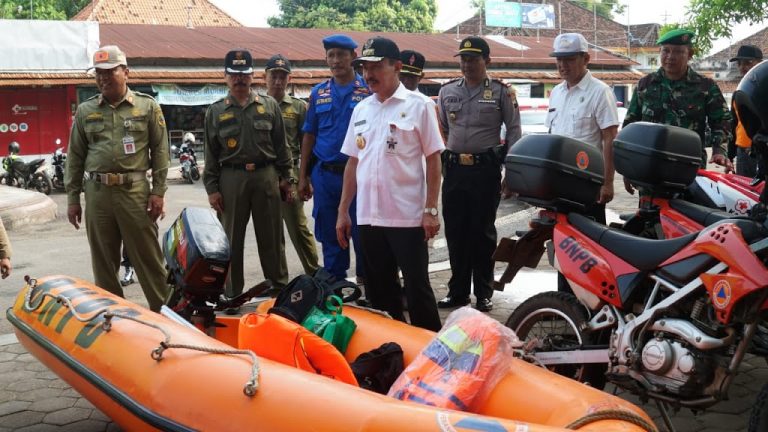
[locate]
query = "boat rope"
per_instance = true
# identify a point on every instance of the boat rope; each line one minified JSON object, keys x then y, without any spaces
{"x":249,"y":389}
{"x":615,"y":414}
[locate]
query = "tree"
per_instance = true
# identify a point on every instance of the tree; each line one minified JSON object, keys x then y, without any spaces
{"x":414,"y":16}
{"x":713,"y":19}
{"x":41,"y":9}
{"x":605,"y":8}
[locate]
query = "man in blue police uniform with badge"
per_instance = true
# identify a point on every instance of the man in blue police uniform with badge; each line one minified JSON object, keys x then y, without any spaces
{"x":330,"y":108}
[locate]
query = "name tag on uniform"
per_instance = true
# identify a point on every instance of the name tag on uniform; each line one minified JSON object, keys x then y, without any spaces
{"x":129,"y":146}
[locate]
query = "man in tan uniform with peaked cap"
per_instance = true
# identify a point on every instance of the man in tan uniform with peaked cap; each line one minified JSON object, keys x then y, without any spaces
{"x":117,"y":136}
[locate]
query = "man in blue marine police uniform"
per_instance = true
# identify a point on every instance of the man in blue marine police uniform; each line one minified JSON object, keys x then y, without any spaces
{"x":472,"y":110}
{"x":330,"y":108}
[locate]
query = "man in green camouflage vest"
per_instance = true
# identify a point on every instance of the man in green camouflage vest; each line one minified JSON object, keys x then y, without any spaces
{"x":677,"y":95}
{"x":116,"y":137}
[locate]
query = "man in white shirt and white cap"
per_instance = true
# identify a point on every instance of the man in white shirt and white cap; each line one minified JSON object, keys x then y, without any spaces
{"x":584,"y":108}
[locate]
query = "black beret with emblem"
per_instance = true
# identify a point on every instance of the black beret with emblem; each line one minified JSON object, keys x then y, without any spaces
{"x":474,"y":46}
{"x":278,"y":62}
{"x":413,"y":62}
{"x":238,"y":61}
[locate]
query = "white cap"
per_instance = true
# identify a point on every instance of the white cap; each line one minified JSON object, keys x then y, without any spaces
{"x":568,"y":44}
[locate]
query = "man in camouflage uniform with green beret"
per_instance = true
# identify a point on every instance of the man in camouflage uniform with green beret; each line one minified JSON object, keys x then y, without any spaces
{"x":116,"y":137}
{"x":679,"y":96}
{"x":278,"y":75}
{"x":247,"y":168}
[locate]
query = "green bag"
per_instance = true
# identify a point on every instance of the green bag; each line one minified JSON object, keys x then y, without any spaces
{"x":330,"y":324}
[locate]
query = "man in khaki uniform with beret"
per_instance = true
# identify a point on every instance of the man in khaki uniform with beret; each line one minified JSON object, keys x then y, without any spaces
{"x":278,"y":75}
{"x":247,"y":168}
{"x":116,"y":137}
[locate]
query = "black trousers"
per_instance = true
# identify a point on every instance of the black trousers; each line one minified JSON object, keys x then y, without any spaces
{"x":385,"y":250}
{"x":471,"y":197}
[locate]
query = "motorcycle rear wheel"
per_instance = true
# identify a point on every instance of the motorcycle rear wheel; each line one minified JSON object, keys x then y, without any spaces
{"x":556,"y":319}
{"x":42,"y":183}
{"x":758,"y":419}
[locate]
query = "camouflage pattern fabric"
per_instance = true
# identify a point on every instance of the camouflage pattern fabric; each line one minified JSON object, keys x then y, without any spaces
{"x":695,"y":103}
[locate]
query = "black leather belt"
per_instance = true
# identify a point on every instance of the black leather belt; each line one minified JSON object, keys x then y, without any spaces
{"x":334,"y":167}
{"x":253,"y":166}
{"x":468,"y":159}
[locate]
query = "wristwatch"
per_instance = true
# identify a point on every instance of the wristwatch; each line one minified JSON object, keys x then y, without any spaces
{"x":293,"y":180}
{"x":431,"y":210}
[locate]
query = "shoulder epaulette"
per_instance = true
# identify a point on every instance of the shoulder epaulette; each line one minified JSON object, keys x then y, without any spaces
{"x":451,"y":81}
{"x":143,"y":95}
{"x":94,"y":96}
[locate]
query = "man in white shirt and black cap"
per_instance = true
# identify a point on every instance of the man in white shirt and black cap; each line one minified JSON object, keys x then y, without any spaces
{"x":394,"y":144}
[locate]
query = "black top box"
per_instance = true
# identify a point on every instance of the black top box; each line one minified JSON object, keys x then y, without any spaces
{"x":555,"y":172}
{"x":656,"y":157}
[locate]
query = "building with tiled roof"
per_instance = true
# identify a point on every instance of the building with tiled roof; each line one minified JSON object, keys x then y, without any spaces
{"x":724,"y":72}
{"x":180,"y":13}
{"x":183,"y":69}
{"x":637,"y":42}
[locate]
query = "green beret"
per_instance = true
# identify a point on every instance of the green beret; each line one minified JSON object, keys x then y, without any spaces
{"x":677,"y":37}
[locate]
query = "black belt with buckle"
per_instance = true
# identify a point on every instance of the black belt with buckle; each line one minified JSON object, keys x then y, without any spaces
{"x":253,"y":166}
{"x":334,"y":167}
{"x":468,"y":159}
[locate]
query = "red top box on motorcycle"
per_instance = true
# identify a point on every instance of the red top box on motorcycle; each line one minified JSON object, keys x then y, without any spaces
{"x":656,"y":157}
{"x":196,"y":250}
{"x":555,"y":172}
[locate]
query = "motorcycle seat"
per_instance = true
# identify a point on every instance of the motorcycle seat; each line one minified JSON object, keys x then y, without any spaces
{"x":642,"y":253}
{"x":705,"y":216}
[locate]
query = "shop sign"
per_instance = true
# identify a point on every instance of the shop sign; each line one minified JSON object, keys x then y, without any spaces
{"x":172,"y":94}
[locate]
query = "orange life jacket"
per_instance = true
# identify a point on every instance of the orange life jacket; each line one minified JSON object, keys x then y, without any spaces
{"x":284,"y":341}
{"x":453,"y":369}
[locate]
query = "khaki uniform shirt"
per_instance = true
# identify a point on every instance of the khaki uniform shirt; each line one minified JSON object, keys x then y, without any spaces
{"x":5,"y":244}
{"x":128,"y":137}
{"x":253,"y":133}
{"x":294,"y":112}
{"x":471,"y":118}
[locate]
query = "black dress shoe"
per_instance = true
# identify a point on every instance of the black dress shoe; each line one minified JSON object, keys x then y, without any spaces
{"x":452,"y":302}
{"x":484,"y":305}
{"x":232,"y":311}
{"x":363,"y":302}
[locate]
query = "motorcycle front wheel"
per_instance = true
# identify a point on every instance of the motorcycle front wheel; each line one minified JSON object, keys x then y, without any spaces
{"x":758,"y":419}
{"x":58,"y":182}
{"x":195,"y":173}
{"x":556,"y":320}
{"x":9,"y":180}
{"x":42,"y":183}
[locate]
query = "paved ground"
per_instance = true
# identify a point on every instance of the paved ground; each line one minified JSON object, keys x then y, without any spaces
{"x":34,"y":399}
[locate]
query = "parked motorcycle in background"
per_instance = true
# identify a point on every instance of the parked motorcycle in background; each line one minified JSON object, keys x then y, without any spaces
{"x":58,"y":160}
{"x":189,"y":170}
{"x":32,"y":175}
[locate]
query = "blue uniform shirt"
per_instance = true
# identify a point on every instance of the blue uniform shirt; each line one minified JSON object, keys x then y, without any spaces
{"x":330,"y":108}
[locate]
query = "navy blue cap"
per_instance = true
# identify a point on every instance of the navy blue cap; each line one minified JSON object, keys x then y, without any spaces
{"x":339,"y":41}
{"x":238,"y":61}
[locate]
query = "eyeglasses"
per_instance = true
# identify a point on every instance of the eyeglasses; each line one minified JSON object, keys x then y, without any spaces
{"x":108,"y":72}
{"x":747,"y":62}
{"x":674,"y":52}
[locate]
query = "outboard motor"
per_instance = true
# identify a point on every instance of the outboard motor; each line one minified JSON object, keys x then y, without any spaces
{"x":197,"y":257}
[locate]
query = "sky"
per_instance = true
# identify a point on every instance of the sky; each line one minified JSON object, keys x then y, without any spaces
{"x":254,"y":13}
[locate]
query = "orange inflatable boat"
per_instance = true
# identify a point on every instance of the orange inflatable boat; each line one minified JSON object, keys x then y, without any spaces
{"x":148,"y":372}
